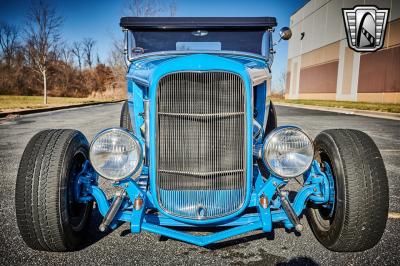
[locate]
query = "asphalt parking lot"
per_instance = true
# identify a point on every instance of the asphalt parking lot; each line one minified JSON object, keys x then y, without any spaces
{"x":257,"y":248}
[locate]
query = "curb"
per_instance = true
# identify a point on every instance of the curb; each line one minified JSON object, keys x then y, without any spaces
{"x":55,"y":108}
{"x":374,"y":114}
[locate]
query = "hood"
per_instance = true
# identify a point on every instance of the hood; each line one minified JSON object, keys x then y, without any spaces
{"x":141,"y":70}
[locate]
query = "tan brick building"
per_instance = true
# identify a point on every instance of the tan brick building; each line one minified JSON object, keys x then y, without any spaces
{"x":322,"y":66}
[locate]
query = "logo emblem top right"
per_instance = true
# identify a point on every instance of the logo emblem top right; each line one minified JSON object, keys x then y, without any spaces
{"x":365,"y":27}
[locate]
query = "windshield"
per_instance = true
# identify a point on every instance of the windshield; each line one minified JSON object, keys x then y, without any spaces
{"x":156,"y":41}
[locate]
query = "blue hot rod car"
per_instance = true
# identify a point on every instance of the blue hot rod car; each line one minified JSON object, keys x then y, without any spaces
{"x":199,"y":146}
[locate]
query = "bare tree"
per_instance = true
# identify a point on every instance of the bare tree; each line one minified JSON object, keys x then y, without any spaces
{"x":143,"y":8}
{"x":279,"y":84}
{"x":172,"y":9}
{"x":88,"y":45}
{"x":66,"y":54}
{"x":115,"y":57}
{"x":8,"y":41}
{"x":115,"y":60}
{"x":98,"y":61}
{"x":77,"y":51}
{"x":42,"y":37}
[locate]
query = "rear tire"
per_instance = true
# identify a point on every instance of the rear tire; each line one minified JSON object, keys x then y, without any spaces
{"x":361,"y":192}
{"x":125,"y":119}
{"x":47,"y":215}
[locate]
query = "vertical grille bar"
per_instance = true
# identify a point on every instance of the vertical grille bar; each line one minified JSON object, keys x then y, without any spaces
{"x":201,"y":144}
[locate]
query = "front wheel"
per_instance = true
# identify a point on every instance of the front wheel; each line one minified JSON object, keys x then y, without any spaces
{"x":360,"y":210}
{"x":48,"y":216}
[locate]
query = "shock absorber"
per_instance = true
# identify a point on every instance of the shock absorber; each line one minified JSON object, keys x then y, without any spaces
{"x":287,"y":207}
{"x":112,"y":211}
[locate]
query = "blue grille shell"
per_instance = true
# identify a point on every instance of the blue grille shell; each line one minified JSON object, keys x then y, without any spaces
{"x":200,"y":63}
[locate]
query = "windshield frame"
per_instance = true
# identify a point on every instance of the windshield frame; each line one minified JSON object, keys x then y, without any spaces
{"x":222,"y":52}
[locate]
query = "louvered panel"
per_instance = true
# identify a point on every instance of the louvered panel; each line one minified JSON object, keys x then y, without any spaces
{"x":201,"y":170}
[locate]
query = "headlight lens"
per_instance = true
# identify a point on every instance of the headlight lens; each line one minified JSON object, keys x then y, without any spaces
{"x":288,"y":152}
{"x":116,"y":154}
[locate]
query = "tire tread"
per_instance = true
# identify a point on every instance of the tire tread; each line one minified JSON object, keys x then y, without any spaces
{"x":37,"y":194}
{"x":366,"y":190}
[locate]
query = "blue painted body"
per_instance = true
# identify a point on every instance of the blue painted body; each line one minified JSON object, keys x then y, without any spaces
{"x":143,"y":76}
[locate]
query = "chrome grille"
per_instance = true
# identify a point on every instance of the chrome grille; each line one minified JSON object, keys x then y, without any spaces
{"x":201,"y":152}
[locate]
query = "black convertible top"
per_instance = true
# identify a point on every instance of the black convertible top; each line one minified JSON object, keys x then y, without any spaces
{"x":204,"y":23}
{"x":155,"y":34}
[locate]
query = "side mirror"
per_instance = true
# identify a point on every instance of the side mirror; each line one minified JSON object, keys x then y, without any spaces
{"x":285,"y":33}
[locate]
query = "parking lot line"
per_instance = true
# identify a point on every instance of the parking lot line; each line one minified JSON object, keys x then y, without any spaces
{"x":394,"y":215}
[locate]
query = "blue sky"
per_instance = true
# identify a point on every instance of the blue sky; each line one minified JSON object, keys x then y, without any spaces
{"x":99,"y":19}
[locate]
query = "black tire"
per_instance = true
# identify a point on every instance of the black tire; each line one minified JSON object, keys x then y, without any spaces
{"x":47,"y":216}
{"x":125,"y":119}
{"x":361,"y":207}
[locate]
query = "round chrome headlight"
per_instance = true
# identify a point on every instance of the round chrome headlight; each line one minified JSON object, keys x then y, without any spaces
{"x":288,"y":151}
{"x":116,"y":154}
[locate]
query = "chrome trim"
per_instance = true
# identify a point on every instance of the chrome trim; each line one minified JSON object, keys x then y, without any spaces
{"x":271,"y":135}
{"x":136,"y":171}
{"x":202,"y":115}
{"x":208,"y":85}
{"x":146,"y":106}
{"x":259,"y":133}
{"x":113,"y":209}
{"x":258,"y":75}
{"x":288,"y":209}
{"x":266,"y":112}
{"x":126,"y":48}
{"x":139,"y":81}
{"x":201,"y":173}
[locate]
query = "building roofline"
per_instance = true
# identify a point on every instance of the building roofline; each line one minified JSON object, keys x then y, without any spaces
{"x":307,"y":1}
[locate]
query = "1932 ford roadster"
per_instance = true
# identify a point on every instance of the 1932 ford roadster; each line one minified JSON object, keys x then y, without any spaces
{"x":198,"y":146}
